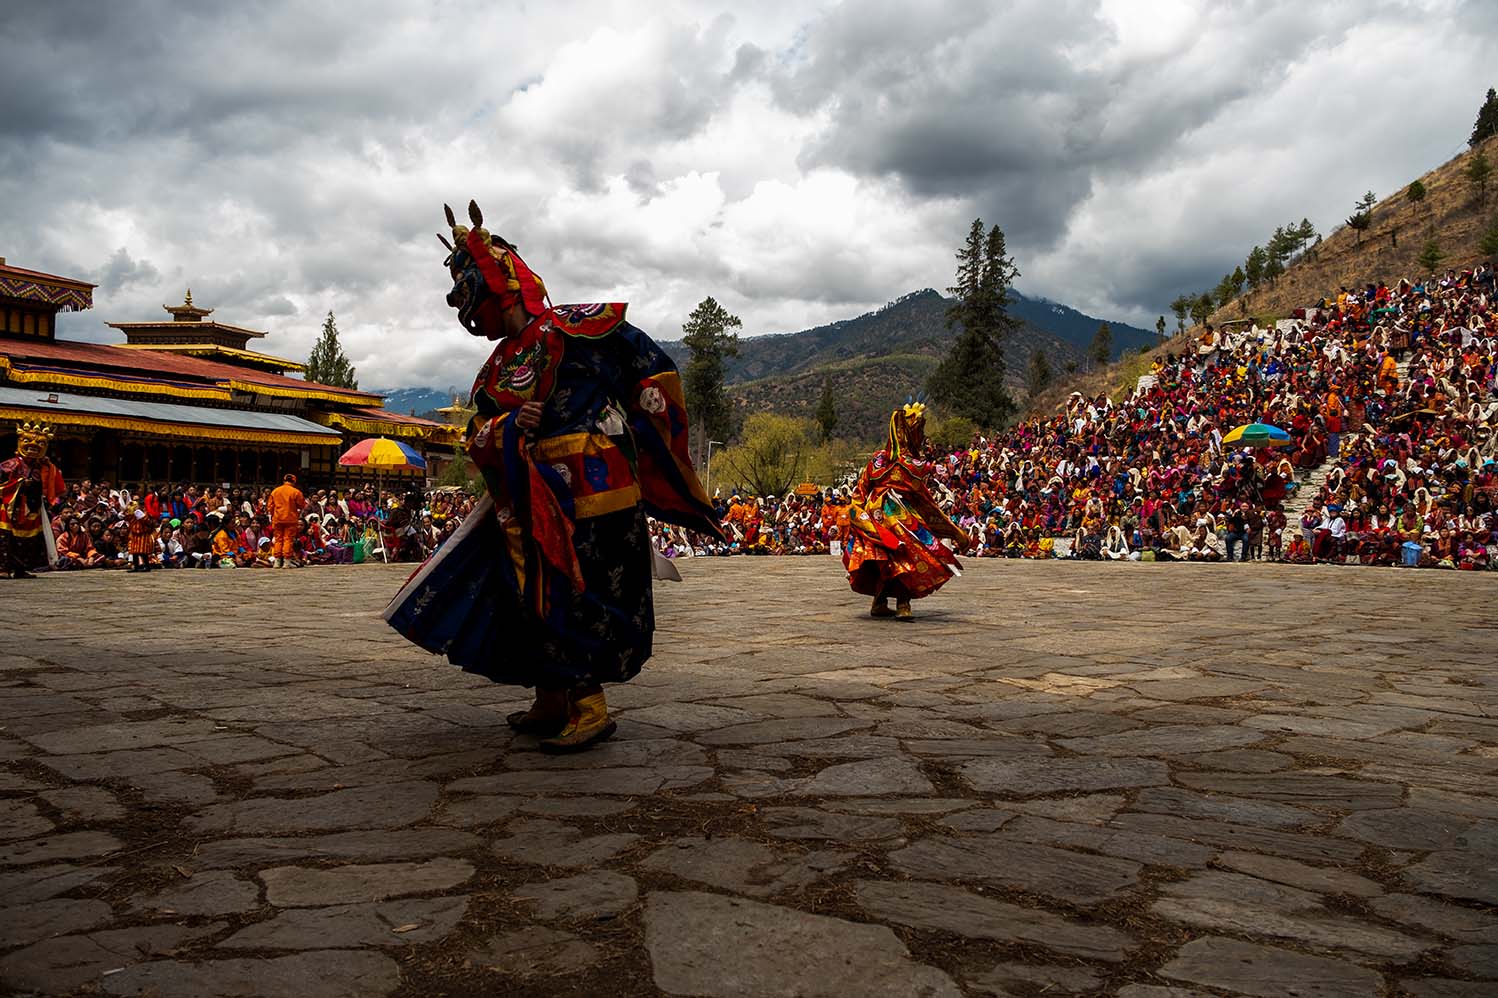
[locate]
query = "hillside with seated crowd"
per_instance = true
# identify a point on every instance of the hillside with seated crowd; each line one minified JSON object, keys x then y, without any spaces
{"x":1387,"y":394}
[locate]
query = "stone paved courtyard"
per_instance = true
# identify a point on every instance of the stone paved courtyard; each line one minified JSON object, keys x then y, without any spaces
{"x":1149,"y":781}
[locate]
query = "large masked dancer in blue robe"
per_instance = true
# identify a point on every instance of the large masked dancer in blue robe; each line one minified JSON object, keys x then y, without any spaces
{"x":581,"y":432}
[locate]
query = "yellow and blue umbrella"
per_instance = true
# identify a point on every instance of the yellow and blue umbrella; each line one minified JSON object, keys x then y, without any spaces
{"x":383,"y":454}
{"x":1257,"y":435}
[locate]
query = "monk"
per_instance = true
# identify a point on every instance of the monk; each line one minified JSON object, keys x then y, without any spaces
{"x":285,"y":506}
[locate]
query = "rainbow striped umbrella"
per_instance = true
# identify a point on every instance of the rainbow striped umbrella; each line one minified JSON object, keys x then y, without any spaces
{"x":383,"y":454}
{"x":1257,"y":435}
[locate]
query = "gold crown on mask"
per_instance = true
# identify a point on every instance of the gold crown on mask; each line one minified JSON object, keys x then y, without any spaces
{"x":34,"y":433}
{"x":914,"y":410}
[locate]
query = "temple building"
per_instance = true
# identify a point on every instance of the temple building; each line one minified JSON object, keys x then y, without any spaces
{"x":183,"y":399}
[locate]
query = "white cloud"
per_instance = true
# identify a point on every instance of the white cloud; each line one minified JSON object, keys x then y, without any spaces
{"x":800,"y":162}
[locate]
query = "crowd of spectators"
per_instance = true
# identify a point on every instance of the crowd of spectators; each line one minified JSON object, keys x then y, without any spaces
{"x":100,"y":526}
{"x":1387,"y":391}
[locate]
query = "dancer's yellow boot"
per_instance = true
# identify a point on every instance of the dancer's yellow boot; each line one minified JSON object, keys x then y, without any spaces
{"x":902,"y":609}
{"x":546,"y":717}
{"x":588,"y":725}
{"x":881,"y":608}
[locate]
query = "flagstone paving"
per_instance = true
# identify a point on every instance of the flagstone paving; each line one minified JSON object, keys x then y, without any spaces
{"x":1149,"y":781}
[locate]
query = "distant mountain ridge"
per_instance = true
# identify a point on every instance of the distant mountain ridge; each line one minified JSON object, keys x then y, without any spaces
{"x":874,"y":361}
{"x":916,"y":323}
{"x":877,"y":360}
{"x":419,"y":401}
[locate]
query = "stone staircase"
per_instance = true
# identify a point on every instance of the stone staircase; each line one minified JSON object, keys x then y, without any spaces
{"x":1308,"y":488}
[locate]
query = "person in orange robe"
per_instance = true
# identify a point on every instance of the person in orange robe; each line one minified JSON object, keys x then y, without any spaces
{"x":286,"y":505}
{"x":895,"y":528}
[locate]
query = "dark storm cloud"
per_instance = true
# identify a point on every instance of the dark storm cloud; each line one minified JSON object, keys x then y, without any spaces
{"x":1019,"y":107}
{"x":121,"y":271}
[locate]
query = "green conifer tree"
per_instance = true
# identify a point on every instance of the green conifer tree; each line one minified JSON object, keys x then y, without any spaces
{"x":1486,"y":125}
{"x":328,"y":365}
{"x":1100,"y":351}
{"x":1431,"y":256}
{"x":1479,"y":171}
{"x":827,"y":411}
{"x":969,"y":382}
{"x":707,"y":336}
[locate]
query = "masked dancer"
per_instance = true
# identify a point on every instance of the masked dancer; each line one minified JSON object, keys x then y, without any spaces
{"x":581,"y":431}
{"x":29,"y":485}
{"x":895,"y":529}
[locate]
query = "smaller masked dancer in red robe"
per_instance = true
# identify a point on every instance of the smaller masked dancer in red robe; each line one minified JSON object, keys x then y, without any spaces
{"x":895,"y":529}
{"x":29,"y":484}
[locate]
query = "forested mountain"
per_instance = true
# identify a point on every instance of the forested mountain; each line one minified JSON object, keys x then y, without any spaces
{"x":874,"y":361}
{"x":878,"y":359}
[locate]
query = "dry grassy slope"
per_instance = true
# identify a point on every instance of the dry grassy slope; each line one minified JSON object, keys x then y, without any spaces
{"x":1450,"y":214}
{"x":866,"y":388}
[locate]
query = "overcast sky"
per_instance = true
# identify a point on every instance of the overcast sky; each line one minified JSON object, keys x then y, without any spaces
{"x":801,"y":162}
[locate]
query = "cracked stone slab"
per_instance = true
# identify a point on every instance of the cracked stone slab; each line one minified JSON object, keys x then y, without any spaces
{"x":38,"y":920}
{"x":1305,"y":847}
{"x":327,"y":974}
{"x":1269,"y":972}
{"x":1320,"y":879}
{"x":739,"y":865}
{"x":720,"y":947}
{"x":1457,"y":873}
{"x":536,"y":950}
{"x":124,"y":735}
{"x":1039,"y":777}
{"x":67,"y":962}
{"x":688,"y":717}
{"x":403,"y":922}
{"x":37,"y":883}
{"x":943,"y":908}
{"x":783,"y":730}
{"x":552,"y":843}
{"x":635,"y":781}
{"x":1453,"y":921}
{"x":1479,"y":961}
{"x":1060,"y":873}
{"x":597,"y":895}
{"x":300,"y":886}
{"x":810,"y":823}
{"x":176,"y":788}
{"x":1169,"y":739}
{"x":1233,"y":902}
{"x":69,"y":845}
{"x":1141,"y":847}
{"x":390,"y":806}
{"x":1321,"y":790}
{"x":20,"y":819}
{"x":871,"y":778}
{"x":214,"y":892}
{"x":1190,"y":804}
{"x":1411,"y":828}
{"x":1049,"y":979}
{"x":636,"y":751}
{"x":406,"y":843}
{"x":85,"y":804}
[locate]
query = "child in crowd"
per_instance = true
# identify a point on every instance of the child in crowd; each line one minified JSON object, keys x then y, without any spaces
{"x":142,"y":542}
